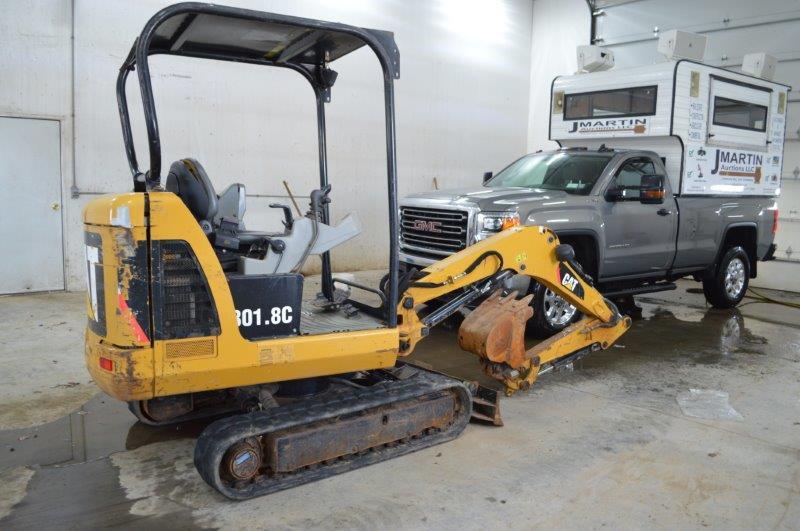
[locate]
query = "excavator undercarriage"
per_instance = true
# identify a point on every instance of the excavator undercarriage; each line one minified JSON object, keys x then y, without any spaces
{"x":386,"y":414}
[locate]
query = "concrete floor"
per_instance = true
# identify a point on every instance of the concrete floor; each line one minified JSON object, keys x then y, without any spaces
{"x":604,"y":445}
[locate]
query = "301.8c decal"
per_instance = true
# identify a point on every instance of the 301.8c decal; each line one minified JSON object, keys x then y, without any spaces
{"x":275,"y":316}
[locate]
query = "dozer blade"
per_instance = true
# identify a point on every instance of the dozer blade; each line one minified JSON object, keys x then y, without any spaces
{"x":485,"y":404}
{"x":485,"y":400}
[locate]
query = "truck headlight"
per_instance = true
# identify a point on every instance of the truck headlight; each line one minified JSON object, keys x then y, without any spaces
{"x":494,"y":222}
{"x":498,"y":222}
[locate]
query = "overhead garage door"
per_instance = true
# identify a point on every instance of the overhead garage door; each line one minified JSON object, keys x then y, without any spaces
{"x":30,"y":231}
{"x":734,"y":28}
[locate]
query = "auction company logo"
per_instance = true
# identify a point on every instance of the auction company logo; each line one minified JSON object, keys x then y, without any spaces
{"x":617,"y":125}
{"x":738,"y":164}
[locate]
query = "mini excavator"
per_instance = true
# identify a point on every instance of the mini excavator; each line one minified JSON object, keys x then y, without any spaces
{"x":190,"y":314}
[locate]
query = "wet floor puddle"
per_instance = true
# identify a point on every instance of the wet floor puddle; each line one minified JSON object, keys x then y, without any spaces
{"x":99,"y":428}
{"x":74,"y":482}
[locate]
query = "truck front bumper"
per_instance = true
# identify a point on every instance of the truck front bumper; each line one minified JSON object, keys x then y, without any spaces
{"x":416,"y":261}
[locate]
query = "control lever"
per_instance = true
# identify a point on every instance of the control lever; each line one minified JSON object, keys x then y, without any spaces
{"x":318,"y":199}
{"x":288,"y":219}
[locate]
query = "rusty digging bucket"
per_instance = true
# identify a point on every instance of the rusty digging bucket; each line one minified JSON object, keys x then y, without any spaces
{"x":495,"y":332}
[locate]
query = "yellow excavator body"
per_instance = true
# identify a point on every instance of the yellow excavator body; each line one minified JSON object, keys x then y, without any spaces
{"x":143,"y":367}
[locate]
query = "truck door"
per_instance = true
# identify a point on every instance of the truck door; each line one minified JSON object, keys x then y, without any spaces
{"x":639,"y":238}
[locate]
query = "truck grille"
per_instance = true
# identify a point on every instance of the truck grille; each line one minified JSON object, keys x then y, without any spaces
{"x":430,"y":230}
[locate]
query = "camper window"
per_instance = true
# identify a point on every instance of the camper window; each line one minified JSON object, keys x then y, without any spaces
{"x":739,"y":114}
{"x":633,"y":101}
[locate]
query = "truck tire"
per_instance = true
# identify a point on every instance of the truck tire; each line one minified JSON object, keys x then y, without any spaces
{"x":551,"y":313}
{"x":728,"y":286}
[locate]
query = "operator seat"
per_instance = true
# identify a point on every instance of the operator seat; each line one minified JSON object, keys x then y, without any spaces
{"x":188,"y":180}
{"x":220,"y":217}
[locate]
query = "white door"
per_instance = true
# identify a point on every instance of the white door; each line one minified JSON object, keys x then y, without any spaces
{"x":30,"y":187}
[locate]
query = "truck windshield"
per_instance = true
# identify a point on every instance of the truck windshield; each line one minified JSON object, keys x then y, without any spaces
{"x":569,"y":172}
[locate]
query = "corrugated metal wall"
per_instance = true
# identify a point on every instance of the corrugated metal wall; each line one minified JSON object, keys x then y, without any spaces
{"x":734,"y":28}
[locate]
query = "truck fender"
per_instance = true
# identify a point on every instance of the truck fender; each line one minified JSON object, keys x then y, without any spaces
{"x":744,"y":233}
{"x":592,"y":262}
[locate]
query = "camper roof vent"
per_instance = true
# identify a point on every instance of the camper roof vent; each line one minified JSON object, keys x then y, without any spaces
{"x":760,"y":65}
{"x":676,"y":44}
{"x":594,"y":58}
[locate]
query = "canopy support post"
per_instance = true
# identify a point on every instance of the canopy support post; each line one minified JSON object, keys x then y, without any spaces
{"x":391,"y":174}
{"x":327,"y":274}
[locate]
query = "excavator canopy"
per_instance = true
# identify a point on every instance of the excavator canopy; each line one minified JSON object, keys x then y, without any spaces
{"x":307,"y":46}
{"x":254,"y":39}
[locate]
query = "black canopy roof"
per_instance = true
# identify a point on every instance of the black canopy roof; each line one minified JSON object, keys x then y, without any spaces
{"x":234,"y":34}
{"x":237,"y":38}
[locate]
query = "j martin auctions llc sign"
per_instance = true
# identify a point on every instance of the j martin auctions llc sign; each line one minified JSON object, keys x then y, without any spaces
{"x":617,"y":125}
{"x":738,"y":164}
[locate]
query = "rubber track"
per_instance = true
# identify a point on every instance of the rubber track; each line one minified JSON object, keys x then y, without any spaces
{"x":221,"y":434}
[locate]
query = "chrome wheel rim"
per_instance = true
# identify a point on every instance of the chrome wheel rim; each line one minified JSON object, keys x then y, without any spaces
{"x":557,"y":311}
{"x":734,"y":278}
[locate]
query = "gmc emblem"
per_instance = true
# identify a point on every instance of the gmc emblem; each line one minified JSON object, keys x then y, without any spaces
{"x":427,"y":226}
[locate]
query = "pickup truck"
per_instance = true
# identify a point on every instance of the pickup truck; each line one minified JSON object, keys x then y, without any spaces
{"x":616,"y":208}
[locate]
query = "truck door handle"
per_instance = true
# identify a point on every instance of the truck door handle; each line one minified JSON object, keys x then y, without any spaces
{"x":664,"y":212}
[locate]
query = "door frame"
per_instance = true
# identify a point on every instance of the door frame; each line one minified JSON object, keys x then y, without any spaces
{"x":60,"y":120}
{"x":669,"y":197}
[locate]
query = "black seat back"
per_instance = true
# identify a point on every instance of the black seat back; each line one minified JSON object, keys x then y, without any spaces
{"x":188,"y":180}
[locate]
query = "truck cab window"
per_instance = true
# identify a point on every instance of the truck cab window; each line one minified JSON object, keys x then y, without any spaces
{"x":569,"y":172}
{"x":629,"y":176}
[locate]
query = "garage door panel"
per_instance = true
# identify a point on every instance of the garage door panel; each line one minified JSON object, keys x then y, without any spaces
{"x":637,"y":19}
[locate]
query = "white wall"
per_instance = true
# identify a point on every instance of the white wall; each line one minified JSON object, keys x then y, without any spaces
{"x":559,"y":26}
{"x":462,"y":105}
{"x":36,"y":74}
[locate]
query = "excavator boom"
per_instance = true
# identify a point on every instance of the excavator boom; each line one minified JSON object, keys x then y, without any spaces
{"x":495,"y":330}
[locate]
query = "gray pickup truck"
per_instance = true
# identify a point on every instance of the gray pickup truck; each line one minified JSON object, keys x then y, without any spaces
{"x":631,"y":234}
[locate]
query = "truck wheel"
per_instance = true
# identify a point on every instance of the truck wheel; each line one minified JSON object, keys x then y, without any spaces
{"x":551,"y":313}
{"x":727,"y":288}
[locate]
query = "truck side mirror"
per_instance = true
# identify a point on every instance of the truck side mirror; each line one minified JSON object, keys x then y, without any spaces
{"x":651,"y":190}
{"x":615,"y":193}
{"x":487,"y":176}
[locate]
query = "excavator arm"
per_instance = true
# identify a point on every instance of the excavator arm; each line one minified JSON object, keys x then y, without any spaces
{"x":495,"y":330}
